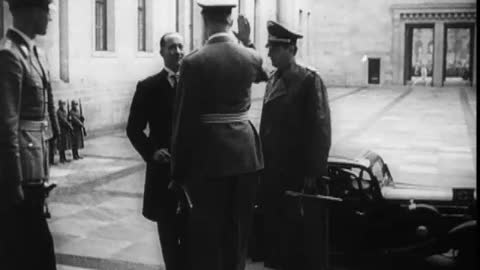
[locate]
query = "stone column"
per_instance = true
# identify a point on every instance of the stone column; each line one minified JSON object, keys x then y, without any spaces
{"x":64,"y":42}
{"x":7,"y":19}
{"x":397,"y":52}
{"x":283,"y":11}
{"x":1,"y":20}
{"x":198,"y":27}
{"x":474,"y":66}
{"x":242,"y":6}
{"x":438,"y":58}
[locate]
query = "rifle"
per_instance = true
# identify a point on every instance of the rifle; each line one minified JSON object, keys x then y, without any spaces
{"x":69,"y":117}
{"x":81,"y":117}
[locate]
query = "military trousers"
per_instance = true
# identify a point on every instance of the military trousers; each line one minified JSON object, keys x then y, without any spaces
{"x":293,"y":230}
{"x":218,"y":225}
{"x":25,"y":239}
{"x":51,"y":150}
{"x":171,"y":230}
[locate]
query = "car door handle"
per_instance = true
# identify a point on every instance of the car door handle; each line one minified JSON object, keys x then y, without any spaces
{"x":360,"y":213}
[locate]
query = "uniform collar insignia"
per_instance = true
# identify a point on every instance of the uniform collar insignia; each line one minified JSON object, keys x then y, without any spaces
{"x":19,"y":41}
{"x":24,"y":49}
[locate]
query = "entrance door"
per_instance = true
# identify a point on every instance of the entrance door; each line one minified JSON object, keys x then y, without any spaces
{"x":458,"y":54}
{"x":419,"y":49}
{"x":373,"y":70}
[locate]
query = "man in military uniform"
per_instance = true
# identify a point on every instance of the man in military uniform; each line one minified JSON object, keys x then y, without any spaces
{"x":78,"y":134}
{"x":26,"y":103}
{"x":215,"y":148}
{"x":152,"y":106}
{"x":64,"y":140}
{"x":296,"y":137}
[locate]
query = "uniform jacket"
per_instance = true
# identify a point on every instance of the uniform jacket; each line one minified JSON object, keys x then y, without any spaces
{"x":216,"y":79}
{"x":152,"y":105}
{"x":77,"y":124}
{"x":64,"y":141}
{"x":295,"y":125}
{"x":25,"y":94}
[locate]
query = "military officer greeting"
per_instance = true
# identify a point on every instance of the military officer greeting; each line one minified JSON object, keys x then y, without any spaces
{"x":237,"y":134}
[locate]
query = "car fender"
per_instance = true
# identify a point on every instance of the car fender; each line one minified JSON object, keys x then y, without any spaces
{"x":426,"y":218}
{"x":463,"y":235}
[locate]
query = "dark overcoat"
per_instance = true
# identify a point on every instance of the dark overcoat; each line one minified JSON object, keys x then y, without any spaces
{"x":216,"y":79}
{"x":64,"y":141}
{"x":152,"y":105}
{"x":295,"y":124}
{"x":296,"y":136}
{"x":77,"y":124}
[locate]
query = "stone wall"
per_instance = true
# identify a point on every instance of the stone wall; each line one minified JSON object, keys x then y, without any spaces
{"x":344,"y":31}
{"x":338,"y":35}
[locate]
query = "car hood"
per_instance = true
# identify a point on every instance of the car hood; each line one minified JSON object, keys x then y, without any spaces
{"x":421,"y":193}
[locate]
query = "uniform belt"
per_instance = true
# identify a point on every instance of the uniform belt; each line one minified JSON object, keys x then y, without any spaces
{"x":33,"y":125}
{"x":222,"y":118}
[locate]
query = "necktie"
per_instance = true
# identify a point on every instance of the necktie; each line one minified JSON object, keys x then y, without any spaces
{"x":174,"y":80}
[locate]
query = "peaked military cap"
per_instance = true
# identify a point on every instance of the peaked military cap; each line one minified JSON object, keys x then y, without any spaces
{"x":280,"y":34}
{"x":13,"y":4}
{"x":217,"y":3}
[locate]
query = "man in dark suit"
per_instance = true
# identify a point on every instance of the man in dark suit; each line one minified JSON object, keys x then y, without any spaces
{"x":296,"y":135}
{"x":216,"y":151}
{"x":26,"y":105}
{"x":152,"y":104}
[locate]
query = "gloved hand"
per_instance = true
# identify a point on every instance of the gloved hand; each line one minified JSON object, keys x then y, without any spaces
{"x":183,"y":198}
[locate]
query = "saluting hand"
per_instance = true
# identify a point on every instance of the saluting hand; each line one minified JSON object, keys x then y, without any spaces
{"x":243,"y":30}
{"x":161,"y":156}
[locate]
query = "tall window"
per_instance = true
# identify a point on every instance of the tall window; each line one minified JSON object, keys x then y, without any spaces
{"x":142,"y":46}
{"x":101,"y":25}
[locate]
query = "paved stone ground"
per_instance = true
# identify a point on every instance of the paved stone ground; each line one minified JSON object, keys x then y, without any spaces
{"x":426,"y":135}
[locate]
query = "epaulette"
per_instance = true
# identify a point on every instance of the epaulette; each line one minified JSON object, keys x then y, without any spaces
{"x":311,"y":69}
{"x":8,"y":44}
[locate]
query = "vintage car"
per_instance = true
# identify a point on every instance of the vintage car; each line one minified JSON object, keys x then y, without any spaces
{"x":377,"y":222}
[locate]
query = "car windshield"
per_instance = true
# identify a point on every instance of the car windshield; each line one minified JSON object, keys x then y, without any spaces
{"x":379,"y":170}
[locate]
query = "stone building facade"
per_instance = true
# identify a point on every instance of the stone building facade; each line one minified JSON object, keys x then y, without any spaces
{"x":99,"y":49}
{"x":346,"y":38}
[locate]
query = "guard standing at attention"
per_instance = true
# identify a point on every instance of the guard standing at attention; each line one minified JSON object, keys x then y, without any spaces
{"x":26,"y":105}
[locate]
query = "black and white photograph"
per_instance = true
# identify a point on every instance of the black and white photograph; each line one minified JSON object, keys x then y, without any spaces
{"x":238,"y":135}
